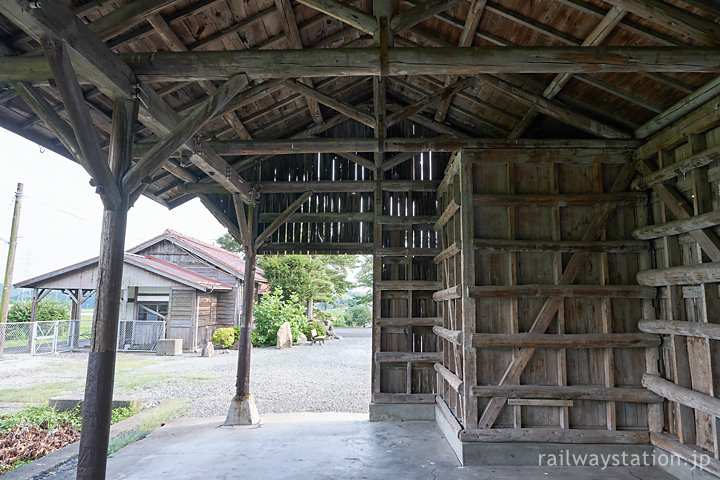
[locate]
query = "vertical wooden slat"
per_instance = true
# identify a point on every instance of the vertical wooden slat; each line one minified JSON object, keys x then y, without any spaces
{"x":467,"y":254}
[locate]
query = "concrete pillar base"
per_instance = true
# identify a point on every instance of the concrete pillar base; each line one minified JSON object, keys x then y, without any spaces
{"x":243,"y":411}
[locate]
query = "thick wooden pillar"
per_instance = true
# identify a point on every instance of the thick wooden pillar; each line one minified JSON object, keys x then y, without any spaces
{"x":101,"y":361}
{"x":242,"y":407}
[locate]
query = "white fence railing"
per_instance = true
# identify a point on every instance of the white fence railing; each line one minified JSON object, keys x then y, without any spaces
{"x":41,"y":338}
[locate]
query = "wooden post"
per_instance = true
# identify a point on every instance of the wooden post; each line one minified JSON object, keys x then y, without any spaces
{"x":242,"y":408}
{"x":5,"y":302}
{"x":97,"y":402}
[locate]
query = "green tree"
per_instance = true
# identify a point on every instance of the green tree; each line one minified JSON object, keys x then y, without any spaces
{"x":358,"y":315}
{"x":272,"y":312}
{"x":47,"y":310}
{"x":228,"y":243}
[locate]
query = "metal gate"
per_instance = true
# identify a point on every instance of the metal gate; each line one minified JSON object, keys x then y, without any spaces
{"x":139,"y":335}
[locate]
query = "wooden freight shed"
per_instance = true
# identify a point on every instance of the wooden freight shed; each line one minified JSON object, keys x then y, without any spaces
{"x":537,"y":182}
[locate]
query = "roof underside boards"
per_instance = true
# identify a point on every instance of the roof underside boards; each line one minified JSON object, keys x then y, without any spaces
{"x":498,"y":106}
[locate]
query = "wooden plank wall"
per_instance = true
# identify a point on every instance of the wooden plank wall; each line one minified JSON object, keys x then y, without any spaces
{"x":536,"y":262}
{"x":680,"y":170}
{"x":404,"y":347}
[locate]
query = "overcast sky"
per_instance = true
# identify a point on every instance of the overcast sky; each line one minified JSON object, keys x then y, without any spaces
{"x":61,"y":213}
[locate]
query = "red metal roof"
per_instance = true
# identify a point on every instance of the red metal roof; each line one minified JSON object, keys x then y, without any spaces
{"x":231,"y":260}
{"x":169,"y":269}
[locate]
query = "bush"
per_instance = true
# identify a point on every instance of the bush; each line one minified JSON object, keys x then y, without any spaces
{"x":223,"y":337}
{"x":47,"y":310}
{"x":318,"y":326}
{"x":271,"y":313}
{"x":358,"y":316}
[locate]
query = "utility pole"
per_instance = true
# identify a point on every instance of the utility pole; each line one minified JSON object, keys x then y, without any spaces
{"x":7,"y":283}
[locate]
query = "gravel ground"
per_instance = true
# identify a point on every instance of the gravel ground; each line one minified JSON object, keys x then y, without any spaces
{"x":334,"y":377}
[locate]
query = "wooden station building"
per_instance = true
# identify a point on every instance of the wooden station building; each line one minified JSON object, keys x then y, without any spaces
{"x":194,"y":287}
{"x":537,"y":180}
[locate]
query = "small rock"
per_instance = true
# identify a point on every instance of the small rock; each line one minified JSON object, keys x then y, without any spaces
{"x":208,"y":350}
{"x":284,"y":336}
{"x":302,"y":338}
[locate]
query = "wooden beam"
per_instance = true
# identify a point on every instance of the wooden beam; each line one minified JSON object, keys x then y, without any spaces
{"x":281,"y":218}
{"x":588,"y":340}
{"x":553,"y":435}
{"x":97,"y":63}
{"x":685,"y":396}
{"x":189,"y":126}
{"x":598,"y":34}
{"x":575,"y":392}
{"x":452,"y":336}
{"x":170,"y":38}
{"x":429,"y":101}
{"x":692,"y":454}
{"x":348,"y":14}
{"x":683,"y":275}
{"x":419,"y":13}
{"x":289,"y":24}
{"x":680,"y":209}
{"x":673,"y":18}
{"x":662,"y":175}
{"x":682,"y":107}
{"x":220,"y":216}
{"x":561,"y":200}
{"x":472,"y":20}
{"x":676,"y":227}
{"x":554,"y":109}
{"x":64,"y":132}
{"x":322,"y":62}
{"x":615,"y":246}
{"x":688,"y":329}
{"x":90,"y":57}
{"x":94,"y":159}
{"x":598,"y":149}
{"x":331,"y":102}
{"x":567,"y":291}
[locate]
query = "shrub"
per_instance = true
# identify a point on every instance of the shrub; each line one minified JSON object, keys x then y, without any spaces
{"x":318,"y":326}
{"x":272,"y":312}
{"x":358,"y":315}
{"x":223,"y":337}
{"x":47,"y":310}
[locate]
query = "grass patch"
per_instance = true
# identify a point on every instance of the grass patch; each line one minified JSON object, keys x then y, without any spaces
{"x":151,"y":419}
{"x":127,"y":363}
{"x":131,"y":381}
{"x":36,"y":393}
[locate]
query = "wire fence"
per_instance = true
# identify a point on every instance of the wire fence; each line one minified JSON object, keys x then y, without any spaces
{"x":41,"y":338}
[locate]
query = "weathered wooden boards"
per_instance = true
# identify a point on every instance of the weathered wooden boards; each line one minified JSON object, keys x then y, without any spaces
{"x":678,"y":165}
{"x":517,"y":279}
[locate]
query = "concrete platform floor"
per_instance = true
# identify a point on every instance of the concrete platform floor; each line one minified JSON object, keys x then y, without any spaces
{"x":320,"y":446}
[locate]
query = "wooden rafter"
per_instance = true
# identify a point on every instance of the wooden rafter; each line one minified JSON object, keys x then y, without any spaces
{"x":281,"y":218}
{"x":93,"y":158}
{"x":151,"y":162}
{"x":599,"y":33}
{"x":289,"y":23}
{"x":171,"y":39}
{"x":345,"y":109}
{"x":354,"y":17}
{"x":477,"y":8}
{"x":114,"y":77}
{"x":419,"y":13}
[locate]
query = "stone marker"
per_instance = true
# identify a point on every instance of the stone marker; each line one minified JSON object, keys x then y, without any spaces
{"x":284,"y":336}
{"x":208,"y":350}
{"x":63,"y":403}
{"x":169,"y":346}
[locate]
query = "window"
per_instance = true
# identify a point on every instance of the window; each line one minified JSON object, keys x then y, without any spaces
{"x":152,"y":311}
